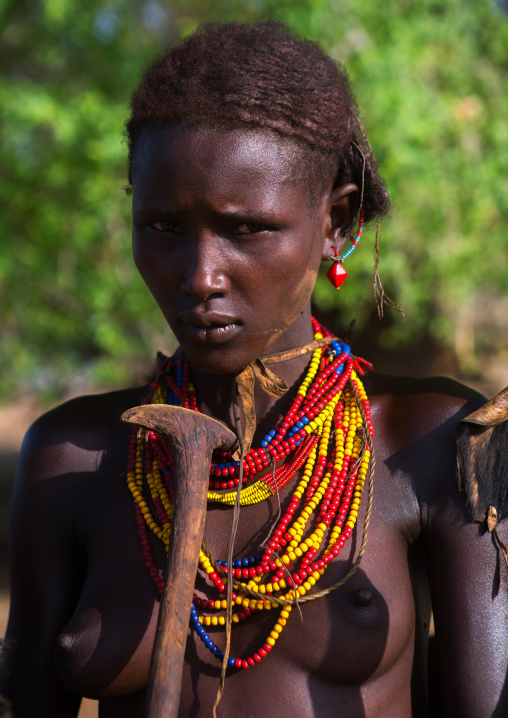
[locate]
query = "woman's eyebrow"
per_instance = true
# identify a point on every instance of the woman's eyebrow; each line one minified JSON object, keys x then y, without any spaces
{"x":153,"y":209}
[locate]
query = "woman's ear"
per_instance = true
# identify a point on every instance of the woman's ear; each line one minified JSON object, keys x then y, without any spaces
{"x":341,"y":208}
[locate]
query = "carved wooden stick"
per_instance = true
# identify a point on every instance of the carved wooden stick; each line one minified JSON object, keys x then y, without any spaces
{"x":192,"y":437}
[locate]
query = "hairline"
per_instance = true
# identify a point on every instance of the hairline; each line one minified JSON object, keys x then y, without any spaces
{"x":310,"y":155}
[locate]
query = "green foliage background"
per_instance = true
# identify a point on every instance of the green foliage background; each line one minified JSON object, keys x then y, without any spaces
{"x":431,"y":80}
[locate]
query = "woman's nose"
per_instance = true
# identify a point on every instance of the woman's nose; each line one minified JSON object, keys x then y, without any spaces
{"x":205,"y":270}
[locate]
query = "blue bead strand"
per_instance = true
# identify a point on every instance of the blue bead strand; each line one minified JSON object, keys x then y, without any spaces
{"x":243,"y":562}
{"x":355,"y":241}
{"x":198,"y":627}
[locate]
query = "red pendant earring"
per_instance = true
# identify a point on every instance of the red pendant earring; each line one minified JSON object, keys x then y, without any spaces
{"x":336,"y":273}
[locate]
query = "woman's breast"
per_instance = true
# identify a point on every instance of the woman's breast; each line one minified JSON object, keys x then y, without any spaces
{"x":105,"y":647}
{"x":347,"y":638}
{"x":329,"y":655}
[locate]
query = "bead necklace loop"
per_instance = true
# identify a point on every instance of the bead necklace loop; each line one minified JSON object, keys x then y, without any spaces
{"x":327,"y":433}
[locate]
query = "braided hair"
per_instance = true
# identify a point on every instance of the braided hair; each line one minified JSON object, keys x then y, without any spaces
{"x":231,"y":76}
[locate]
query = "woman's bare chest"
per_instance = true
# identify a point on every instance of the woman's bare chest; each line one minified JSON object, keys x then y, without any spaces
{"x":347,"y":637}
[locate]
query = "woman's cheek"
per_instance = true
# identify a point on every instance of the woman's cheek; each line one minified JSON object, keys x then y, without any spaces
{"x":299,"y":296}
{"x":137,"y":254}
{"x":148,"y":262}
{"x":291,"y":302}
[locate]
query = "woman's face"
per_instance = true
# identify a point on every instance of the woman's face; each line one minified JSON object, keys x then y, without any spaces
{"x":226,"y":239}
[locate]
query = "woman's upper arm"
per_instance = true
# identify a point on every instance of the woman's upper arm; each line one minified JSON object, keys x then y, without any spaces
{"x":46,"y":573}
{"x":469,"y":587}
{"x":470,"y":602}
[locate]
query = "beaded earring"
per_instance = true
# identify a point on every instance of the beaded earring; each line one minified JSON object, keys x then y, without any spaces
{"x":336,"y":273}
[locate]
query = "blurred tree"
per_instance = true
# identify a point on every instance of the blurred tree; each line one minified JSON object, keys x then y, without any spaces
{"x":431,"y":82}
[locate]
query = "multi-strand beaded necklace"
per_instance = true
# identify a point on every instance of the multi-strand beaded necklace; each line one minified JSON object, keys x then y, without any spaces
{"x":328,"y":432}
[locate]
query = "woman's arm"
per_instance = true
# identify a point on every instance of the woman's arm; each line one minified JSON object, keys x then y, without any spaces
{"x":469,"y":587}
{"x":46,"y":573}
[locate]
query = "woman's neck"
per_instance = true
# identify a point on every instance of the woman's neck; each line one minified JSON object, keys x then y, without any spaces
{"x":214,"y":392}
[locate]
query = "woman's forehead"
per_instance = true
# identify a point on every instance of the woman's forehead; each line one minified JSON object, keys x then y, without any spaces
{"x":211,"y":154}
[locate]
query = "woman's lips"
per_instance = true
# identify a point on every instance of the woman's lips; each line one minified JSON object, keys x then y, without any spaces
{"x":209,"y":329}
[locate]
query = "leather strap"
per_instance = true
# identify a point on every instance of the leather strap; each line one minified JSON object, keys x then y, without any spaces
{"x":270,"y":382}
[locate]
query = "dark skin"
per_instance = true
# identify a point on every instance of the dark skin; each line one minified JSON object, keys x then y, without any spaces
{"x":229,"y":245}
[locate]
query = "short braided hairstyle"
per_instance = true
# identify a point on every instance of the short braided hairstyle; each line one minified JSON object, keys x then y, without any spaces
{"x":231,"y":76}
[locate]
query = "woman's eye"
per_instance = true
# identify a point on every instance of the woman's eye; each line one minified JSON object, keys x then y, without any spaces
{"x":166,"y":226}
{"x":247,"y":228}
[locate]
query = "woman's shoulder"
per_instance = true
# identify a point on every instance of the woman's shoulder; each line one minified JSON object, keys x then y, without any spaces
{"x":416,"y":406}
{"x":415,"y":424}
{"x":90,"y":413}
{"x":73,"y":434}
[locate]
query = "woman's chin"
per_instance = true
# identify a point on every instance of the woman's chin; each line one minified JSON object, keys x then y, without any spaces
{"x":222,"y":357}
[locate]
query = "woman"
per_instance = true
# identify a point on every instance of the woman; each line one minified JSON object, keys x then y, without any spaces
{"x":248,"y":168}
